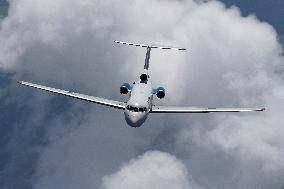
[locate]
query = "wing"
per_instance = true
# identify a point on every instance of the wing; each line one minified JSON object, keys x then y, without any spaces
{"x":102,"y":101}
{"x":163,"y":109}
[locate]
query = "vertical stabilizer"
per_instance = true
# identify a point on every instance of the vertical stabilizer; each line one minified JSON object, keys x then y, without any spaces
{"x":147,"y":59}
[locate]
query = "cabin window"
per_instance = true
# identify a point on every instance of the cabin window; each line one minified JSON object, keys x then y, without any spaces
{"x":136,"y":109}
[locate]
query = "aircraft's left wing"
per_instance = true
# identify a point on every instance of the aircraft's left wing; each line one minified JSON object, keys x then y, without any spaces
{"x":102,"y":101}
{"x":163,"y":109}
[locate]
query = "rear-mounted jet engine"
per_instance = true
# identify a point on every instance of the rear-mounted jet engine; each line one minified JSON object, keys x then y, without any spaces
{"x":160,"y":92}
{"x":125,"y":88}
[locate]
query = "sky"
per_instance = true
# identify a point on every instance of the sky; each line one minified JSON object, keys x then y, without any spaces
{"x":234,"y":59}
{"x":269,"y":11}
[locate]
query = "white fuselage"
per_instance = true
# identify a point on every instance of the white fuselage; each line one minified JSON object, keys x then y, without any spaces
{"x":139,"y":103}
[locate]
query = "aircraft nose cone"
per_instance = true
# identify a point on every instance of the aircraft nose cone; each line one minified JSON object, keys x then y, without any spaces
{"x":134,"y":120}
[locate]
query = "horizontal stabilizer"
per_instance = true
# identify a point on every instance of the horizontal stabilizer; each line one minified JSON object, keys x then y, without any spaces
{"x":150,"y":46}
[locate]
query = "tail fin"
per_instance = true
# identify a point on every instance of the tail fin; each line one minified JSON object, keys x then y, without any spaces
{"x":149,"y":47}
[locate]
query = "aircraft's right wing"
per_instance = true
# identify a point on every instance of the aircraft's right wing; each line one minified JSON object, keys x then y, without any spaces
{"x":102,"y":101}
{"x":164,"y":109}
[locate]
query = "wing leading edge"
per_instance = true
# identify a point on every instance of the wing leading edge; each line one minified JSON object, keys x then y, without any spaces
{"x":102,"y":101}
{"x":163,"y":109}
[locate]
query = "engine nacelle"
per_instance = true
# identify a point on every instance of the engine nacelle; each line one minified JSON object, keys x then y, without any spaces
{"x":160,"y":92}
{"x":125,"y":88}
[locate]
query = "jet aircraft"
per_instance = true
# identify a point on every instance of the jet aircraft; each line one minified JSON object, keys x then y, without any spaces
{"x":139,"y":103}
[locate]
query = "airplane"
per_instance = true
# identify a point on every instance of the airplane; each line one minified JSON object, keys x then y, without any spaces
{"x":139,"y":103}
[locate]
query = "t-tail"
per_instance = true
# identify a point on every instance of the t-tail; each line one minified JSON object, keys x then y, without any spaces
{"x":148,"y":52}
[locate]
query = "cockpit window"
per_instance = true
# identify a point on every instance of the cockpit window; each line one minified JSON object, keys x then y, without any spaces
{"x":136,"y":109}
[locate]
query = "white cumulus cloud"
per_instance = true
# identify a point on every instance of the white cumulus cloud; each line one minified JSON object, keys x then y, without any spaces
{"x":232,"y":61}
{"x":154,"y":169}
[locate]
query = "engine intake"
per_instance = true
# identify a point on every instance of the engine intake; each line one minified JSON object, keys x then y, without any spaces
{"x":160,"y":92}
{"x":125,"y":88}
{"x":144,"y":77}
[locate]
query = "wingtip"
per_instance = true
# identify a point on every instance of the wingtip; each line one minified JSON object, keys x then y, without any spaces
{"x":263,"y":109}
{"x":19,"y":82}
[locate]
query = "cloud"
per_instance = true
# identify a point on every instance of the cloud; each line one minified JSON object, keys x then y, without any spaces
{"x":231,"y":61}
{"x":154,"y":169}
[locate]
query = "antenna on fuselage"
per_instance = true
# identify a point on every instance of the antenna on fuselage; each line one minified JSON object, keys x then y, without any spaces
{"x":149,"y":47}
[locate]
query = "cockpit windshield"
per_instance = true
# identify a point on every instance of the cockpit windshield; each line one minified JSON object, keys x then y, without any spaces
{"x":136,"y":109}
